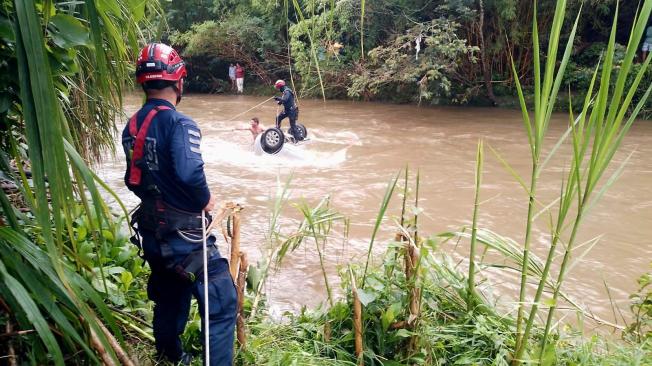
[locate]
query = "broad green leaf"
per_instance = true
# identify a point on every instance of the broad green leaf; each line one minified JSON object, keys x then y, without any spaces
{"x":81,"y":233}
{"x":108,"y":235}
{"x":137,"y":9}
{"x":254,"y":275}
{"x":6,"y":30}
{"x":69,"y":31}
{"x":404,"y":333}
{"x":366,"y":297}
{"x":108,"y":6}
{"x":388,"y":317}
{"x":126,"y":278}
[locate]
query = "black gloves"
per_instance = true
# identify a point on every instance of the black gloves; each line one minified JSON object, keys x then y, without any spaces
{"x":278,"y":99}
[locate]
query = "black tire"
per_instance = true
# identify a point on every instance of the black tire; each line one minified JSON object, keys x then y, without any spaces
{"x":302,"y":132}
{"x":272,"y":140}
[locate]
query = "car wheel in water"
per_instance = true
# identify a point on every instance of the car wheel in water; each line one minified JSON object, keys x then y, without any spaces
{"x":272,"y":140}
{"x":302,"y":132}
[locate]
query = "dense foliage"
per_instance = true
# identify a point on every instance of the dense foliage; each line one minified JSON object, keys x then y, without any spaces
{"x":72,"y":288}
{"x":63,"y":66}
{"x":352,"y":48}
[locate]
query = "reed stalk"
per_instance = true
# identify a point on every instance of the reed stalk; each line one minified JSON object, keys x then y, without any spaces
{"x":235,"y":243}
{"x":273,"y":238}
{"x":317,"y":224}
{"x":379,"y":219}
{"x":242,"y":284}
{"x":400,"y":237}
{"x":357,"y":321}
{"x":596,"y":135}
{"x":416,"y":208}
{"x":470,"y":300}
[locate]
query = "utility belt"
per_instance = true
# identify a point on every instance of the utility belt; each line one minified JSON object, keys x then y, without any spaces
{"x":295,"y":110}
{"x":156,"y":216}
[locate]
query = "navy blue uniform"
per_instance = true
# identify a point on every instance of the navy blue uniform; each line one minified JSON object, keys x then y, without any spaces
{"x":174,"y":165}
{"x":290,"y":111}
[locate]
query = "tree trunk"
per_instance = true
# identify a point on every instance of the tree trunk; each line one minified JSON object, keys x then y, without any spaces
{"x":486,"y":69}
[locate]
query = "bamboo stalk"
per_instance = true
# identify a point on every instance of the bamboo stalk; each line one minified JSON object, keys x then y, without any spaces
{"x":357,"y":325}
{"x":414,"y":293}
{"x":328,"y":331}
{"x":10,"y":345}
{"x":235,"y":244}
{"x":97,"y":345}
{"x":242,"y":278}
{"x":357,"y":321}
{"x":119,"y":351}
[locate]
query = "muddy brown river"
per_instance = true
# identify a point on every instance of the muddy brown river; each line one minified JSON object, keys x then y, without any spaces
{"x":357,"y":147}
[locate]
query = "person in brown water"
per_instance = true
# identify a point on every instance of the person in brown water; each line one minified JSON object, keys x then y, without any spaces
{"x":254,"y":127}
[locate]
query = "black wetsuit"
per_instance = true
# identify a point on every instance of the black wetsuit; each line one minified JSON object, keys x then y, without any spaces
{"x":290,"y":111}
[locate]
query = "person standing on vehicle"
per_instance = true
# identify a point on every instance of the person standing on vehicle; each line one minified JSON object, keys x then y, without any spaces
{"x":290,"y":109}
{"x":232,"y":76}
{"x":165,"y":170}
{"x":239,"y":77}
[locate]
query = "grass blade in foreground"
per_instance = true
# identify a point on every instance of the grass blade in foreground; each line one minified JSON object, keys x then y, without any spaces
{"x":595,"y":128}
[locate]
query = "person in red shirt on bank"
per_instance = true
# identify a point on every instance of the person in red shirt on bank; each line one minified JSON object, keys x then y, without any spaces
{"x":239,"y":77}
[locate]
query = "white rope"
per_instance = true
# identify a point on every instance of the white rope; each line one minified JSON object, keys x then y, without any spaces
{"x":206,"y":325}
{"x":256,"y":106}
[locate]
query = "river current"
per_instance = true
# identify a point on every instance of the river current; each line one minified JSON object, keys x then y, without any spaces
{"x":355,"y":148}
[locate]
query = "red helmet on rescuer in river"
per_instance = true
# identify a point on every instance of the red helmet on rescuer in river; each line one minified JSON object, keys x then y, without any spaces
{"x":158,"y":61}
{"x":279,"y":83}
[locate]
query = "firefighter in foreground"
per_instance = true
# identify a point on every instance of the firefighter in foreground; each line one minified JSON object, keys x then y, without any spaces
{"x":166,"y":171}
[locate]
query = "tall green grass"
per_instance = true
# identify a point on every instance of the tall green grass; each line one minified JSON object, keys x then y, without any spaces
{"x":595,"y":136}
{"x":43,"y":277}
{"x":456,"y":321}
{"x":453,"y":313}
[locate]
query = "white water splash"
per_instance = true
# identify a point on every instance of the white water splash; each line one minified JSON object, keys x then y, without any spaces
{"x":251,"y":156}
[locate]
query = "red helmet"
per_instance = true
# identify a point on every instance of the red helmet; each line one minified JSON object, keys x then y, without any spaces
{"x":158,"y":61}
{"x":279,"y":84}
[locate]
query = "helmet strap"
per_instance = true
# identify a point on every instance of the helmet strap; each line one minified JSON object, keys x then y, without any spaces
{"x":178,"y":88}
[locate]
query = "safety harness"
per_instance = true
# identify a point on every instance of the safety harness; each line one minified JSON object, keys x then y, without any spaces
{"x":154,"y":214}
{"x":135,"y":174}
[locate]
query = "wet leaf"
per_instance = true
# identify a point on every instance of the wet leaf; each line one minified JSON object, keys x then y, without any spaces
{"x":366,"y":297}
{"x":126,"y":278}
{"x":70,"y":32}
{"x":137,"y":9}
{"x":388,"y":317}
{"x":404,"y":333}
{"x":6,"y":30}
{"x":254,"y":276}
{"x":81,"y":233}
{"x":549,"y":302}
{"x":106,"y":234}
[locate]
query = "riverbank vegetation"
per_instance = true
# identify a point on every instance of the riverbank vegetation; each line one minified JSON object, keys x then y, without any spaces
{"x":408,"y":51}
{"x":63,"y":66}
{"x":72,"y":288}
